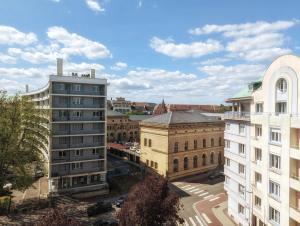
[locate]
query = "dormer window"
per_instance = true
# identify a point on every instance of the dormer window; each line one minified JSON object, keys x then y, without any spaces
{"x":282,"y":85}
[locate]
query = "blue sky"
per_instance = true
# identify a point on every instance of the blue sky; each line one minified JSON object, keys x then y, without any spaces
{"x":192,"y":51}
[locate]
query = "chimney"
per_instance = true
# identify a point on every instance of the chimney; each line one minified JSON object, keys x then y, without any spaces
{"x":59,"y":65}
{"x":93,"y":72}
{"x":26,"y":88}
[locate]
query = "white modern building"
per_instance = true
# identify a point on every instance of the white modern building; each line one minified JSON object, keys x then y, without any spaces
{"x":274,"y":148}
{"x":76,"y":156}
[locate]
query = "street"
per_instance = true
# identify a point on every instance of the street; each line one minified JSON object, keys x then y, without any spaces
{"x":204,"y":202}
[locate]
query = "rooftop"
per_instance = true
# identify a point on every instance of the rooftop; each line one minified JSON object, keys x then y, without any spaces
{"x":178,"y":117}
{"x":114,"y":113}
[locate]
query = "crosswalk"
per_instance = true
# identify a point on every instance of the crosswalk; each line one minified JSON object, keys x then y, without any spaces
{"x":193,"y":221}
{"x":194,"y":190}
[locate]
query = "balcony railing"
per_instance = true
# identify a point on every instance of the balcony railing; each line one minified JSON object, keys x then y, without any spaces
{"x":237,"y":115}
{"x":295,"y":207}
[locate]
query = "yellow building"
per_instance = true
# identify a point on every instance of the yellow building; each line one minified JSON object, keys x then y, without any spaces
{"x":178,"y":144}
{"x":123,"y":128}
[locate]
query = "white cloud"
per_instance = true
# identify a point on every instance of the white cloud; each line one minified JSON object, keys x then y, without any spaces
{"x":74,"y":44}
{"x":94,"y":6}
{"x":82,"y":67}
{"x":216,"y":60}
{"x":119,"y":66}
{"x":194,"y":49}
{"x":6,"y":59}
{"x":11,"y":36}
{"x":246,"y":29}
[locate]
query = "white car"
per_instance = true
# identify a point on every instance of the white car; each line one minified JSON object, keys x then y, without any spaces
{"x":7,"y":186}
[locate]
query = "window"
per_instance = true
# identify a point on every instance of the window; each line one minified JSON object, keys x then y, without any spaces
{"x":155,"y":165}
{"x":258,"y":154}
{"x":95,"y":88}
{"x":203,"y":160}
{"x":186,"y":145}
{"x":241,"y":209}
{"x":175,"y":165}
{"x":212,"y":158}
{"x":227,"y":144}
{"x":95,"y":151}
{"x":61,"y":86}
{"x":227,"y":179}
{"x":77,"y":100}
{"x":280,"y":107}
{"x":241,"y":169}
{"x":241,"y":190}
{"x":275,"y":135}
{"x":195,"y":161}
{"x":257,"y":178}
{"x":212,"y":142}
{"x":150,"y":143}
{"x":259,"y":107}
{"x":241,"y":149}
{"x":282,"y":85}
{"x":220,"y":141}
{"x":96,"y":101}
{"x":176,"y":147}
{"x":77,"y":165}
{"x":275,"y":161}
{"x":227,"y":127}
{"x":77,"y":126}
{"x":186,"y":163}
{"x":258,"y":131}
{"x":227,"y":162}
{"x":241,"y":128}
{"x":152,"y":163}
{"x":274,"y":189}
{"x":145,"y":141}
{"x":79,"y":152}
{"x":96,"y":139}
{"x":77,"y":114}
{"x":204,"y":143}
{"x":62,"y":154}
{"x":257,"y":202}
{"x":62,"y":140}
{"x":76,"y":87}
{"x":77,"y":140}
{"x":195,"y":144}
{"x":274,"y":215}
{"x":147,"y":162}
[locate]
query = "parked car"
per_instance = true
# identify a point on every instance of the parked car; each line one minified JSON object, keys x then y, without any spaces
{"x":215,"y":175}
{"x":7,"y":186}
{"x":120,"y":202}
{"x":38,"y":173}
{"x":99,"y":207}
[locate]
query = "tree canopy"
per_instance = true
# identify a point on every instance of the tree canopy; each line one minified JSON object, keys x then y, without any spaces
{"x":150,"y":203}
{"x":23,"y":137}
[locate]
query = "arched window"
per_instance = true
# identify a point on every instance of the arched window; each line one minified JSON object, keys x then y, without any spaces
{"x":175,"y":165}
{"x":212,"y":158}
{"x":203,"y":160}
{"x":220,"y":141}
{"x":204,"y":143}
{"x":219,"y":158}
{"x":212,"y":142}
{"x":282,"y":85}
{"x":195,"y":161}
{"x":186,"y":146}
{"x":186,"y":163}
{"x":176,"y":147}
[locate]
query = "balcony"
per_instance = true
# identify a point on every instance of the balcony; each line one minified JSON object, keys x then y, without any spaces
{"x":295,"y":174}
{"x":295,"y":205}
{"x":295,"y":143}
{"x":77,"y":132}
{"x":236,"y":115}
{"x":84,"y":118}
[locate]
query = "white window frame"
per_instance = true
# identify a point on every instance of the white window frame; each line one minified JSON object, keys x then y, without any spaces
{"x":274,"y":215}
{"x":241,"y":169}
{"x":241,"y":209}
{"x":274,"y":189}
{"x":275,"y":136}
{"x":242,"y":149}
{"x":77,"y":87}
{"x":242,"y":129}
{"x":274,"y":161}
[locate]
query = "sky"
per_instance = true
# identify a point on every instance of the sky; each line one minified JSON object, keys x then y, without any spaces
{"x":188,"y":52}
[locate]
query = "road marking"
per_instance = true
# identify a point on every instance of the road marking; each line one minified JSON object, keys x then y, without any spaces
{"x":197,"y":192}
{"x":205,"y":193}
{"x":208,"y":197}
{"x":196,"y":189}
{"x":187,"y":189}
{"x":200,"y":222}
{"x":186,"y":223}
{"x":214,"y":199}
{"x":186,"y":186}
{"x":193,"y":222}
{"x":206,"y":218}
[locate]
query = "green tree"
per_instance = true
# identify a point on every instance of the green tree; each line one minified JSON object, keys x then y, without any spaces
{"x":23,"y":136}
{"x":150,"y":203}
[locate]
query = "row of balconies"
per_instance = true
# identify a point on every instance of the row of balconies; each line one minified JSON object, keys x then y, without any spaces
{"x":80,"y":145}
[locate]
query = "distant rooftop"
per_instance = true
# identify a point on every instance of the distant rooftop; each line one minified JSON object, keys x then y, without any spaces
{"x":247,"y":91}
{"x":114,"y":113}
{"x":178,"y":117}
{"x":139,"y":117}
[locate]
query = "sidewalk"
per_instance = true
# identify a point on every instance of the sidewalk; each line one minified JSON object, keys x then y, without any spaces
{"x":219,"y":212}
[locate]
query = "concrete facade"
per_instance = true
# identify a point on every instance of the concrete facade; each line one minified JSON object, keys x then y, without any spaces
{"x":76,"y":154}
